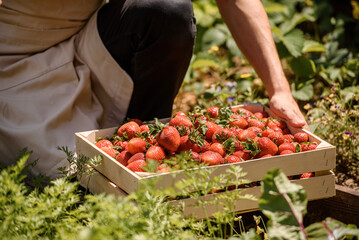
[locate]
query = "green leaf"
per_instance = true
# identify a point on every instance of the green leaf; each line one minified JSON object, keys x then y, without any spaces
{"x":331,"y":229}
{"x":284,"y":203}
{"x":273,"y":7}
{"x":304,"y":93}
{"x":232,"y":47}
{"x":313,"y":127}
{"x":199,"y":63}
{"x":213,"y":37}
{"x":294,"y":42}
{"x":313,"y":46}
{"x":302,"y":66}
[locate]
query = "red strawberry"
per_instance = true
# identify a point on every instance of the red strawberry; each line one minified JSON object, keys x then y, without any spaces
{"x":221,"y":135}
{"x":307,"y":175}
{"x":110,"y":151}
{"x":123,"y":157}
{"x":266,"y":146}
{"x":261,"y":115}
{"x":213,"y":112}
{"x":266,"y":132}
{"x":236,"y":131}
{"x":301,"y":137}
{"x":212,"y":128}
{"x":130,"y":129}
{"x":155,"y":153}
{"x":244,"y":155}
{"x":286,"y":146}
{"x":185,"y":144}
{"x":180,"y":121}
{"x":137,"y":166}
{"x":266,"y":156}
{"x":238,"y":121}
{"x":138,"y":121}
{"x":272,"y":123}
{"x":136,"y":157}
{"x":277,"y":129}
{"x":232,"y":159}
{"x":286,"y":151}
{"x":169,"y":139}
{"x":256,"y":130}
{"x":282,"y":125}
{"x":288,"y":137}
{"x":243,"y":112}
{"x":238,"y":145}
{"x":195,"y":156}
{"x":286,"y":131}
{"x":246,"y":134}
{"x":308,"y":147}
{"x":144,"y":128}
{"x":136,"y":145}
{"x":202,"y":118}
{"x":218,"y":147}
{"x":211,"y":158}
{"x":277,"y":138}
{"x":122,"y":144}
{"x":104,"y":143}
{"x":256,"y":123}
{"x":179,"y":113}
{"x":163,"y":168}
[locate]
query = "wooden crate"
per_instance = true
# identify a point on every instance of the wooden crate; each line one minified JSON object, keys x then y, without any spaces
{"x":321,"y":161}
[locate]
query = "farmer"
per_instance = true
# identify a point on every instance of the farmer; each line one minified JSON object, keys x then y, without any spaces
{"x":68,"y":66}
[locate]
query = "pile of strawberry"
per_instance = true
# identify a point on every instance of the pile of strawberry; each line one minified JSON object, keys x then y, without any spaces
{"x":212,"y":136}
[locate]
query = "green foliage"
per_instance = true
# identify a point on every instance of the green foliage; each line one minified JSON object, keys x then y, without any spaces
{"x":285,"y":205}
{"x":335,"y":118}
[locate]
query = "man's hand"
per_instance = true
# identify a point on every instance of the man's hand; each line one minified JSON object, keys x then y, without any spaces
{"x":283,"y":105}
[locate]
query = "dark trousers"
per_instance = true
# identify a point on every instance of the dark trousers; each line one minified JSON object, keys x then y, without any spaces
{"x":152,"y":40}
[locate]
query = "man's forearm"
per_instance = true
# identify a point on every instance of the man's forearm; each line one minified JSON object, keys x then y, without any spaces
{"x":249,"y":25}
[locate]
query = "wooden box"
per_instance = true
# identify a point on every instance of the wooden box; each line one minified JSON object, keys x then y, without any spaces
{"x":114,"y":178}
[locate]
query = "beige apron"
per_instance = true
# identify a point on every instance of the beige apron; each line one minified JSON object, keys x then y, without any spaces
{"x":56,"y":78}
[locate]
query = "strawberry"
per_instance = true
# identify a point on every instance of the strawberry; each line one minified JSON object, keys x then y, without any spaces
{"x":244,"y":155}
{"x":238,"y":145}
{"x":110,"y":151}
{"x":144,"y":128}
{"x":104,"y":143}
{"x":155,"y":153}
{"x":138,"y":121}
{"x":282,"y":125}
{"x":185,"y":144}
{"x":122,"y":144}
{"x":211,"y":158}
{"x":136,"y":145}
{"x":266,"y":156}
{"x":163,"y":168}
{"x":277,"y":129}
{"x":137,"y":166}
{"x":238,"y":121}
{"x":130,"y":129}
{"x":213,"y":112}
{"x":277,"y":138}
{"x":286,"y":151}
{"x":169,"y":138}
{"x":181,"y":121}
{"x":179,"y":113}
{"x":266,"y":146}
{"x":232,"y":159}
{"x":123,"y":157}
{"x":218,"y":147}
{"x":256,"y":130}
{"x":301,"y":137}
{"x":195,"y":156}
{"x":243,"y":112}
{"x":212,"y":128}
{"x":235,"y":130}
{"x":246,"y":134}
{"x":261,"y":115}
{"x":221,"y":135}
{"x":200,"y":119}
{"x":286,"y":131}
{"x":288,"y":138}
{"x":308,"y":146}
{"x":286,"y":146}
{"x":256,"y":123}
{"x":307,"y":175}
{"x":266,"y":132}
{"x":272,"y":123}
{"x":136,"y":157}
